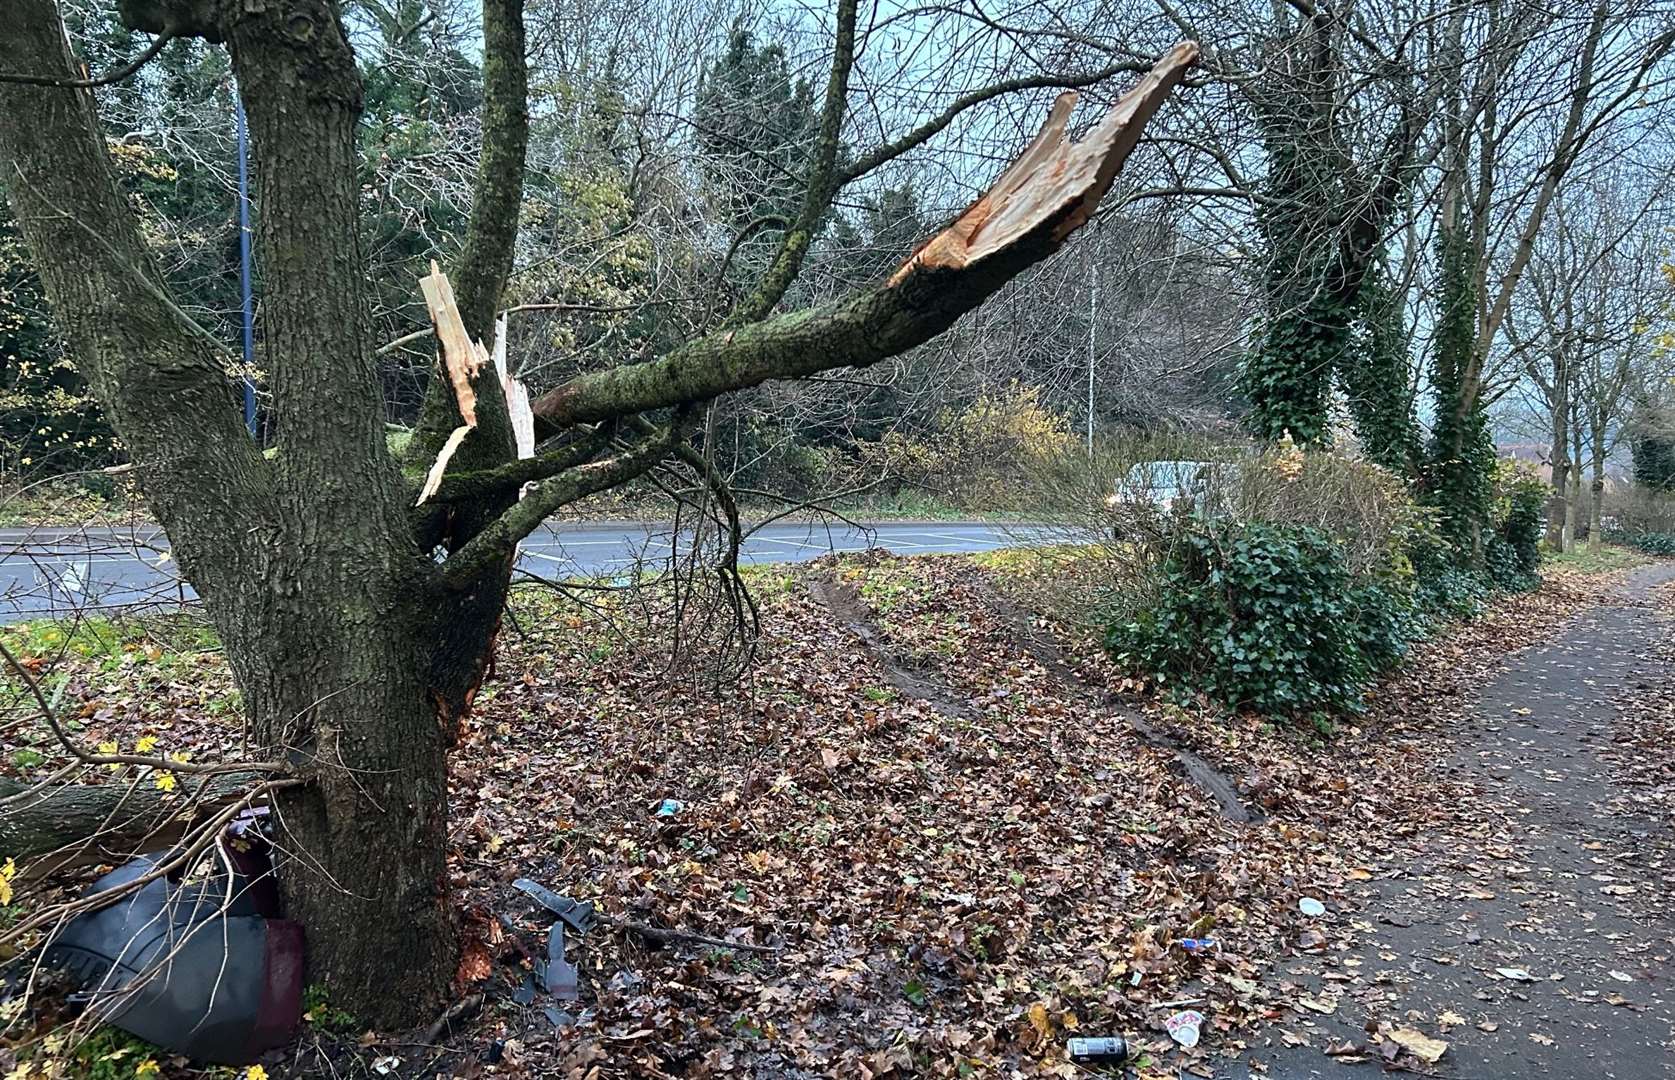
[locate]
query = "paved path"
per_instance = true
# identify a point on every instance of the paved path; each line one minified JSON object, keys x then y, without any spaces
{"x":56,"y":571}
{"x":1562,"y":876}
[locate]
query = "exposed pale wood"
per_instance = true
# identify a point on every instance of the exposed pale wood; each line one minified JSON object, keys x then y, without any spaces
{"x":1054,"y":181}
{"x":433,"y":479}
{"x":517,"y":395}
{"x":462,"y":358}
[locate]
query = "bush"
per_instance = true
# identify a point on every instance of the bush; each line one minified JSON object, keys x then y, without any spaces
{"x":1266,"y":617}
{"x":1654,"y":543}
{"x":1512,"y":553}
{"x":980,"y":453}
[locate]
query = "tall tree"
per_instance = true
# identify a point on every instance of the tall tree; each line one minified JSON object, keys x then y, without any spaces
{"x":357,"y":624}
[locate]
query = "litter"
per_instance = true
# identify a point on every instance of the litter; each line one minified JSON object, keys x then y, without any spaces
{"x":180,"y":965}
{"x":1108,"y":1049}
{"x":1184,"y":1027}
{"x":555,"y":975}
{"x":1193,"y":945}
{"x":1311,"y":907}
{"x":580,"y":916}
{"x":668,"y":808}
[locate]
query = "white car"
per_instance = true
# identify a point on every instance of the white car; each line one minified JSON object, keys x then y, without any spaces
{"x":1174,"y":486}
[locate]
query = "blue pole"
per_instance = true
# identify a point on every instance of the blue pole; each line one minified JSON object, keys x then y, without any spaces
{"x":244,"y":264}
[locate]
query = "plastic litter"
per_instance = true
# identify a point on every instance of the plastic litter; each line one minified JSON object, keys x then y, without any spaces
{"x":1311,"y":907}
{"x":668,"y":808}
{"x":557,"y":975}
{"x":1184,"y":1027}
{"x":580,"y":916}
{"x":1198,"y":944}
{"x":554,"y":975}
{"x":1106,"y":1048}
{"x":180,"y":965}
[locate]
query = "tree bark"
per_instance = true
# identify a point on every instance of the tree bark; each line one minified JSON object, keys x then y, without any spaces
{"x":1560,"y":455}
{"x":110,"y":818}
{"x":306,"y":563}
{"x":1596,"y":501}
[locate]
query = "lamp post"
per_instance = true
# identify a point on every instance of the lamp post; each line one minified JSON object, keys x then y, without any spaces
{"x":244,"y":264}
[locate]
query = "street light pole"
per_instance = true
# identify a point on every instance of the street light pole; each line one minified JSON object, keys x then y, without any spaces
{"x":1093,"y":311}
{"x":244,"y":264}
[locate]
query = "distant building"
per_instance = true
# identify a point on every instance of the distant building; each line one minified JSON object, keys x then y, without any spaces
{"x":1534,"y":455}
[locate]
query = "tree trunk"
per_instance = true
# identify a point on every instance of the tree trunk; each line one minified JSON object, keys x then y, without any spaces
{"x":368,"y":880}
{"x":1559,"y":455}
{"x":1596,"y":501}
{"x":307,"y":563}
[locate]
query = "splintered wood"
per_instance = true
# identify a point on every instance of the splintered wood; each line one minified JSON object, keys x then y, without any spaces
{"x":1054,"y":182}
{"x":462,"y":358}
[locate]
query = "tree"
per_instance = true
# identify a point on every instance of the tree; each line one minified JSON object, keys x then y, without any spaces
{"x":1504,"y":162}
{"x":359,"y":625}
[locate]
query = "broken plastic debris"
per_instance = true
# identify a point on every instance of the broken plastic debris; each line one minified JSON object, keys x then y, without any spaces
{"x":1107,"y":1048}
{"x":1184,"y":1027}
{"x":580,"y":916}
{"x":1193,"y":944}
{"x":669,"y":808}
{"x":1311,"y":907}
{"x":1515,"y":974}
{"x":179,"y":965}
{"x":558,"y":976}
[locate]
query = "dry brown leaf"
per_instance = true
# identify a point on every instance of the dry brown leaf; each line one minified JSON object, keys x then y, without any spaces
{"x":1419,"y":1044}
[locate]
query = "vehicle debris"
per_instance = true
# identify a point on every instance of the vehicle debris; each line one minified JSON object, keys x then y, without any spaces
{"x":206,"y":968}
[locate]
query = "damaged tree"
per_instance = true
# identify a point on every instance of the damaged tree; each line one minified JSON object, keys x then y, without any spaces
{"x":357,"y":618}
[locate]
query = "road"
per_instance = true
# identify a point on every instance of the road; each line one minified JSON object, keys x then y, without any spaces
{"x":58,"y":571}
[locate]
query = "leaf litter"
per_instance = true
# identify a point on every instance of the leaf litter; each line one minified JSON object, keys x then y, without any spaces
{"x":950,"y":874}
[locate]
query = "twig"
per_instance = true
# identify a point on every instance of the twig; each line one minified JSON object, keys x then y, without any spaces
{"x":665,"y":937}
{"x":118,"y":75}
{"x":470,"y":1003}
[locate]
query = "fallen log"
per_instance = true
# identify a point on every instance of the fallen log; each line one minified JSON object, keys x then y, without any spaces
{"x":83,"y":824}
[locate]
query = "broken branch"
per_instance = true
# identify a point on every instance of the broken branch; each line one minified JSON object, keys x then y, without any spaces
{"x":1048,"y":193}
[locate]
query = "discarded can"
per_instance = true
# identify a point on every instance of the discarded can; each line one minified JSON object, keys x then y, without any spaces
{"x":1107,"y":1048}
{"x":1198,"y":944}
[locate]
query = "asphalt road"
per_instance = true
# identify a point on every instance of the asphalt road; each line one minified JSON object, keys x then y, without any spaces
{"x":56,"y":572}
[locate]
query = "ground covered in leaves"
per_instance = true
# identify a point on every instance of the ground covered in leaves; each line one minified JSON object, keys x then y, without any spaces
{"x":930,"y":833}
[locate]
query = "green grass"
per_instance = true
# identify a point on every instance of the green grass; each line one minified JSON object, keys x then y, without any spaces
{"x":1587,"y":560}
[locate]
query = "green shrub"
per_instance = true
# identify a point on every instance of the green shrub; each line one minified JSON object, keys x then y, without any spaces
{"x":1266,"y":617}
{"x":1654,"y":543}
{"x":1512,"y":553}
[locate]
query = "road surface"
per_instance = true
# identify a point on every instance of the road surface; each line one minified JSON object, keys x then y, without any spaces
{"x":58,"y":571}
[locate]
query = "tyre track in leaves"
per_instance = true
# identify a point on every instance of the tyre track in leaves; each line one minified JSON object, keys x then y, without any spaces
{"x":1044,"y":651}
{"x":844,"y":601}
